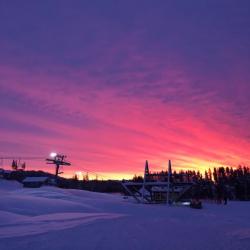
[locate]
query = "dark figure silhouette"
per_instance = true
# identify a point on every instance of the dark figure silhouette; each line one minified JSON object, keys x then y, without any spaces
{"x":219,"y":193}
{"x":225,"y":195}
{"x":195,"y":201}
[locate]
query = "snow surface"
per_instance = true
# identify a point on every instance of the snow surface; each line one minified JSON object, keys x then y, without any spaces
{"x":53,"y":218}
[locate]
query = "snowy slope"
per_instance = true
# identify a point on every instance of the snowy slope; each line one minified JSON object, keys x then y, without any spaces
{"x":52,"y":218}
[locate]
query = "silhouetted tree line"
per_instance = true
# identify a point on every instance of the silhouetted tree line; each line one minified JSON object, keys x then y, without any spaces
{"x":221,"y":183}
{"x":106,"y":186}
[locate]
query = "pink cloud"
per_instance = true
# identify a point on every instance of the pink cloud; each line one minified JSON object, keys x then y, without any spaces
{"x":115,"y":128}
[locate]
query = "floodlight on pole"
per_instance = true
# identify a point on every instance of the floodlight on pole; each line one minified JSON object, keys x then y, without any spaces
{"x":53,"y":155}
{"x":58,"y":160}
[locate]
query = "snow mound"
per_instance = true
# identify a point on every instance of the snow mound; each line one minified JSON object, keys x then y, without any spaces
{"x":7,"y":185}
{"x":27,"y":211}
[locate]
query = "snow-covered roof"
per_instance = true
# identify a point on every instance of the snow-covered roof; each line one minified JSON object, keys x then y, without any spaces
{"x":165,"y":189}
{"x":35,"y":179}
{"x":159,"y":189}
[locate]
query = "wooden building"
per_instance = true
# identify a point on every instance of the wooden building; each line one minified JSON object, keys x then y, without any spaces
{"x":35,"y":182}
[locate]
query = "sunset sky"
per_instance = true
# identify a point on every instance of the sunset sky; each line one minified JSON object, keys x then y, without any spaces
{"x":113,"y":83}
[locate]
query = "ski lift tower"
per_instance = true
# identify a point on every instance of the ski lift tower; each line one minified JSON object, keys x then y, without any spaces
{"x":58,"y":160}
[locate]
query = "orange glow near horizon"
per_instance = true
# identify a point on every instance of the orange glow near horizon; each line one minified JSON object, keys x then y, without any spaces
{"x":100,"y":176}
{"x":185,"y":163}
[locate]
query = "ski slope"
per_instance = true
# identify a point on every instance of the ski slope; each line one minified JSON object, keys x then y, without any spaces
{"x":53,"y":218}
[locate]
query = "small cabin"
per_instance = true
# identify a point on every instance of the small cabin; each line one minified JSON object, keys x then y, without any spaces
{"x":35,"y":182}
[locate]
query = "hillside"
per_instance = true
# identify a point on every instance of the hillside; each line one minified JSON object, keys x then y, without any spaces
{"x":53,"y":218}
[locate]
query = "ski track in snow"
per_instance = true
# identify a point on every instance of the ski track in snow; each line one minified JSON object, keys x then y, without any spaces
{"x":241,"y":234}
{"x":51,"y":222}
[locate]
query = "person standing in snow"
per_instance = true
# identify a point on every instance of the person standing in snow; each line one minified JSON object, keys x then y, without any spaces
{"x":225,"y":194}
{"x":219,"y":193}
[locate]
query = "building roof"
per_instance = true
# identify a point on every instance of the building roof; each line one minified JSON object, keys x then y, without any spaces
{"x":159,"y":189}
{"x":35,"y":179}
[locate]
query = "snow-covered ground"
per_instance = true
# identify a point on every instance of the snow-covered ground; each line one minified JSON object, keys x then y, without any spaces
{"x":52,"y":218}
